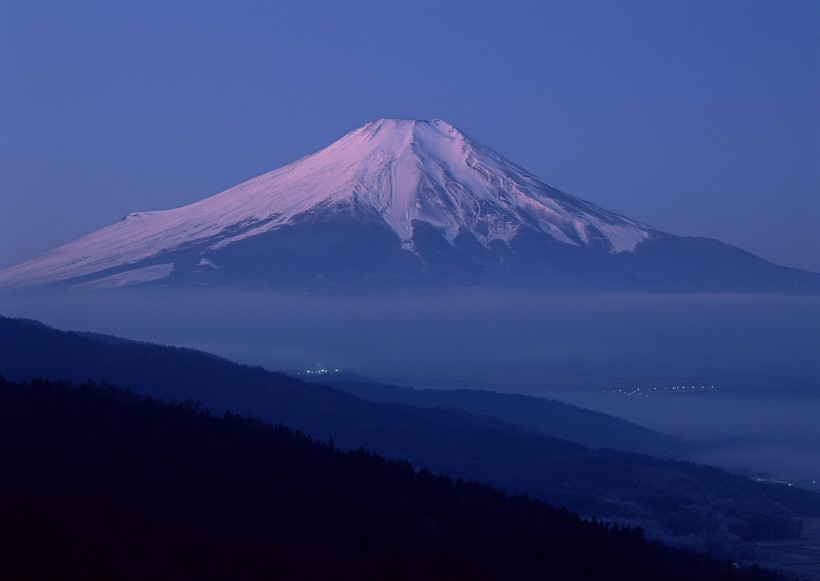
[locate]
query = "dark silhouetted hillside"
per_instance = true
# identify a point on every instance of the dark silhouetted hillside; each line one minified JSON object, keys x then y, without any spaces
{"x":98,"y":483}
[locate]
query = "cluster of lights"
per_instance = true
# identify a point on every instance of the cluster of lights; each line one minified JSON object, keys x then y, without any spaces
{"x":646,"y":392}
{"x":691,"y":388}
{"x":319,"y":370}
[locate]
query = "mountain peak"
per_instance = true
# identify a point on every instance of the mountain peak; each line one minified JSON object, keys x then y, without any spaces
{"x":393,"y":123}
{"x":402,"y":137}
{"x":418,"y":128}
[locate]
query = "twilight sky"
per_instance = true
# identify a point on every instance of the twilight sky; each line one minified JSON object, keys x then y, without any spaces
{"x":697,"y":117}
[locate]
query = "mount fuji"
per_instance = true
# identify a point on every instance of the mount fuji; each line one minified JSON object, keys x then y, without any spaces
{"x":399,"y":205}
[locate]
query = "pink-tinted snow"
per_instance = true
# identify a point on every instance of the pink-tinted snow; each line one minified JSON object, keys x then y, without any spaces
{"x":405,"y":170}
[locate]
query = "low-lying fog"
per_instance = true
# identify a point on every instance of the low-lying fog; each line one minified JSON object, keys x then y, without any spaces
{"x":761,"y":353}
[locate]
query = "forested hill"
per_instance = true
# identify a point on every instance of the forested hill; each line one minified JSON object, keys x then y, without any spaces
{"x":98,"y":483}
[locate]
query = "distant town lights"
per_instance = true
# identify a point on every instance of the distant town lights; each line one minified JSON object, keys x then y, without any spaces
{"x":320,"y":370}
{"x":646,"y":391}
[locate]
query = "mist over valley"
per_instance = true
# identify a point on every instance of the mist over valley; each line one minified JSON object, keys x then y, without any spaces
{"x":754,"y":355}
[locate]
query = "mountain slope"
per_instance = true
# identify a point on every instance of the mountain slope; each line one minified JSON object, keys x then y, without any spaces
{"x":393,"y":204}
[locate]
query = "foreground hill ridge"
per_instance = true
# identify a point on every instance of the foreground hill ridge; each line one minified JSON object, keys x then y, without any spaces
{"x":694,"y":506}
{"x":99,"y":483}
{"x":397,"y":204}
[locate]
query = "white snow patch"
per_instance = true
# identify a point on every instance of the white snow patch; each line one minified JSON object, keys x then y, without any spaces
{"x":622,"y":237}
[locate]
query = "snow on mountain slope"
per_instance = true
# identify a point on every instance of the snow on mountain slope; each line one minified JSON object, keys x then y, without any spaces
{"x":405,"y":170}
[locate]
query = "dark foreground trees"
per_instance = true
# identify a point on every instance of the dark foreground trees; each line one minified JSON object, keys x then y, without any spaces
{"x":98,"y":483}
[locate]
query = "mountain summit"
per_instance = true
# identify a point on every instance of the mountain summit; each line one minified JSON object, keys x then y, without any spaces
{"x":397,"y":203}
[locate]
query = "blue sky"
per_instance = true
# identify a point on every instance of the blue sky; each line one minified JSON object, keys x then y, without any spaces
{"x":700,"y":118}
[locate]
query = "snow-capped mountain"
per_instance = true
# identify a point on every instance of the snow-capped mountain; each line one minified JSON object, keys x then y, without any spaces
{"x":397,"y":202}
